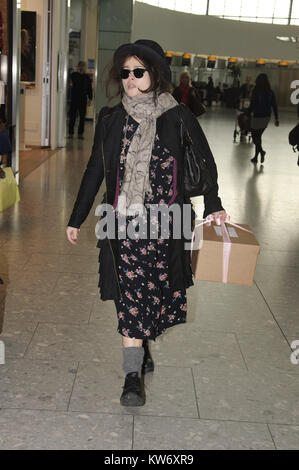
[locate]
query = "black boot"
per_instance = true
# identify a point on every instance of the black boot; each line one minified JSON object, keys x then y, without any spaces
{"x":263,"y":153}
{"x":133,"y":391}
{"x":148,"y":363}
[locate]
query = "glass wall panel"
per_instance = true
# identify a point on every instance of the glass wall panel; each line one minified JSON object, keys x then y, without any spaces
{"x":232,"y":8}
{"x":183,"y":5}
{"x":281,"y":9}
{"x":265,"y":9}
{"x":295,"y":12}
{"x":263,"y":20}
{"x":249,"y":9}
{"x":260,"y":11}
{"x":167,"y":4}
{"x":280,"y":21}
{"x":216,"y":7}
{"x":252,"y":19}
{"x":199,"y":7}
{"x":155,"y":3}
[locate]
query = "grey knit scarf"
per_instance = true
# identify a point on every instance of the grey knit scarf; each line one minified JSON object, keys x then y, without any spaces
{"x":136,"y":178}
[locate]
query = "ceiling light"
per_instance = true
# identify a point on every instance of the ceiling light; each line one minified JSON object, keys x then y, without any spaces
{"x":283,"y":38}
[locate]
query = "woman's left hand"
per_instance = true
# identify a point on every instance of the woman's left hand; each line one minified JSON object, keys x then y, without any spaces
{"x":219,"y":216}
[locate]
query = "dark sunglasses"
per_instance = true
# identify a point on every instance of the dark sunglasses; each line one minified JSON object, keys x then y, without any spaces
{"x":138,"y":73}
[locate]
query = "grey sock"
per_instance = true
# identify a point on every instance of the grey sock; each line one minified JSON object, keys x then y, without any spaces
{"x":133,"y":359}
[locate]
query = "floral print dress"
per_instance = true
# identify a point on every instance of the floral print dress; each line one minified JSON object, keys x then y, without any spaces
{"x":148,"y":306}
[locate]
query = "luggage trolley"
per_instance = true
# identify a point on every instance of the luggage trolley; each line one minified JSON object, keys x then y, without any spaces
{"x":242,"y":125}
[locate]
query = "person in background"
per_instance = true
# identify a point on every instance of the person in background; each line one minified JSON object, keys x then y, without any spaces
{"x":262,"y":102}
{"x":80,"y":90}
{"x":210,"y":91}
{"x":188,"y":95}
{"x":218,"y":93}
{"x":246,"y":89}
{"x":224,"y":94}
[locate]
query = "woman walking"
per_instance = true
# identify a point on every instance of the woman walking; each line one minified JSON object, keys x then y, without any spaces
{"x":137,"y":149}
{"x":262,"y":102}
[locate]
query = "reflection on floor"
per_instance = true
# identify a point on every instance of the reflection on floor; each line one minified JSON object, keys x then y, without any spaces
{"x":222,"y":381}
{"x":33,"y":158}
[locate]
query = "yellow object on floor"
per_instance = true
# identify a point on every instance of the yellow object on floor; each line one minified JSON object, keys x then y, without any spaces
{"x":9,"y":191}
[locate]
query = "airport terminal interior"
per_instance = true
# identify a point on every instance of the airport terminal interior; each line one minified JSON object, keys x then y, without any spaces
{"x":228,"y":378}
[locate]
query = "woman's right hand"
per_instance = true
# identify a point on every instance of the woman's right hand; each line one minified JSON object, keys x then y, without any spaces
{"x":72,"y":234}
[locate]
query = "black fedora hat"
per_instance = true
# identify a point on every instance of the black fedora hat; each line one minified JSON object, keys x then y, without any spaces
{"x":148,"y":49}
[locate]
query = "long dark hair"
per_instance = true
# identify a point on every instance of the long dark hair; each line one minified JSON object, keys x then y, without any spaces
{"x":113,"y":83}
{"x":262,"y":83}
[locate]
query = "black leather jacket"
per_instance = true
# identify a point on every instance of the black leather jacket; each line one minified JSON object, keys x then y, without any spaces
{"x":261,"y":104}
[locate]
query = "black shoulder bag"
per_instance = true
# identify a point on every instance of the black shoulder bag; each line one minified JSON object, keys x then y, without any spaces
{"x":197,"y":177}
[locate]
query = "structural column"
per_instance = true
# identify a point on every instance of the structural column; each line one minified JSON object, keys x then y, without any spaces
{"x":115,"y":25}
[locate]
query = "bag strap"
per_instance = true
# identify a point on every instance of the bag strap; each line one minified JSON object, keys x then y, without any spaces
{"x":181,"y":125}
{"x":184,"y":134}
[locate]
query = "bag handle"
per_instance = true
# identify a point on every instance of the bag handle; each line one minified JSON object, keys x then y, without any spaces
{"x":184,"y":135}
{"x":187,"y":135}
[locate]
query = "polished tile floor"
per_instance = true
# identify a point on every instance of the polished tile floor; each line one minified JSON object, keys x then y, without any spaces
{"x":224,"y":380}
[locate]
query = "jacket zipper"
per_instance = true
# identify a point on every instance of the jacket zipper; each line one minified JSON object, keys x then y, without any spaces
{"x":108,"y":238}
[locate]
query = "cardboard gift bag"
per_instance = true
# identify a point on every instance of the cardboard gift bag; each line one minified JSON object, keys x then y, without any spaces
{"x":9,"y":191}
{"x":228,"y":253}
